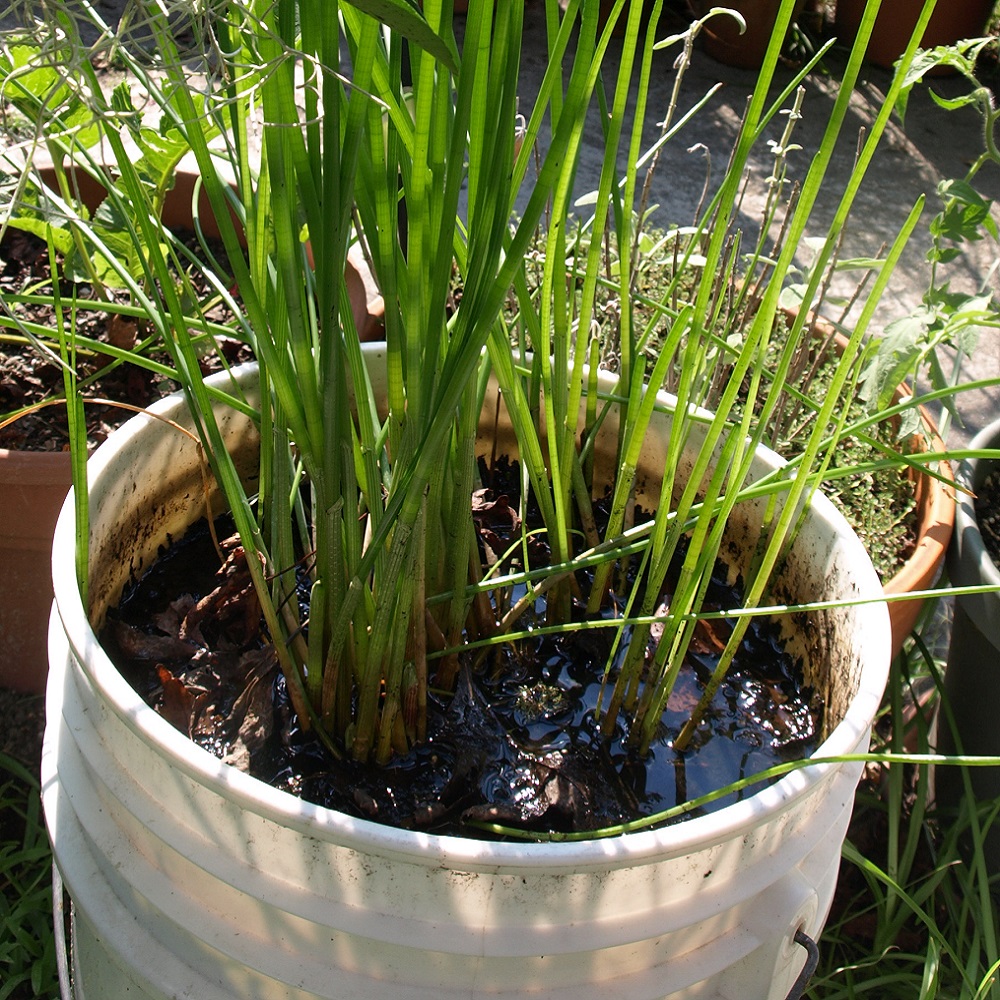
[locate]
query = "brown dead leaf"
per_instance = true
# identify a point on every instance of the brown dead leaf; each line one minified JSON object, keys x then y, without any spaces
{"x":494,"y":511}
{"x":256,"y":707}
{"x":169,"y":620}
{"x":495,"y":521}
{"x":233,"y":607}
{"x":121,"y":331}
{"x":709,"y":637}
{"x":179,"y":704}
{"x":136,"y":644}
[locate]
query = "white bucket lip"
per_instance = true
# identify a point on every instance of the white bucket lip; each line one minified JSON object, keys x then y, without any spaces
{"x":435,"y":850}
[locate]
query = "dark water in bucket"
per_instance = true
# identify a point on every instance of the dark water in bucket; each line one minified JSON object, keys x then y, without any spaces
{"x":516,"y":746}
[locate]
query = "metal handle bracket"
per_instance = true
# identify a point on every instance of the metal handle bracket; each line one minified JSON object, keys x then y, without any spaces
{"x":812,"y":961}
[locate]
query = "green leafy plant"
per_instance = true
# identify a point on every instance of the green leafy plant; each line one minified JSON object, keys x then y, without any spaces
{"x":369,"y":501}
{"x":947,"y":318}
{"x":68,"y":201}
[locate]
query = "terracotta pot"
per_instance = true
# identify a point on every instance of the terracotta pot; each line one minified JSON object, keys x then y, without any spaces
{"x":935,"y":522}
{"x":722,"y":37}
{"x":951,"y":21}
{"x":935,"y":504}
{"x":33,"y":485}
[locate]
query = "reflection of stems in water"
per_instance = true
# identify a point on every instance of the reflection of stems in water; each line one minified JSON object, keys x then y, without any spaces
{"x":680,"y":778}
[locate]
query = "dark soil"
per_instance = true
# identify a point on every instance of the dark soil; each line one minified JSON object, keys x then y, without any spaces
{"x":29,"y":375}
{"x":988,"y":514}
{"x":22,"y":723}
{"x":22,"y":718}
{"x":517,"y":744}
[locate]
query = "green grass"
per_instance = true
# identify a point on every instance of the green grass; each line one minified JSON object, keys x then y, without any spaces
{"x":916,"y":915}
{"x":928,"y":931}
{"x":27,"y":945}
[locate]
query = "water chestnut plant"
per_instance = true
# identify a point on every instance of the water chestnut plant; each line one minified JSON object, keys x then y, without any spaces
{"x":320,"y":126}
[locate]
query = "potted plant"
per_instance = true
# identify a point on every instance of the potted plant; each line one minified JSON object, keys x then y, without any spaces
{"x":357,"y":466}
{"x":35,"y":464}
{"x":36,"y":467}
{"x":36,"y":470}
{"x":909,"y":539}
{"x":908,"y":550}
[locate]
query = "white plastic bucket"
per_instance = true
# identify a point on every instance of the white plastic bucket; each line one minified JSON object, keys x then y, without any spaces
{"x":191,"y":879}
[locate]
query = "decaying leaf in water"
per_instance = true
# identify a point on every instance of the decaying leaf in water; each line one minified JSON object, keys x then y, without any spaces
{"x":180,"y":706}
{"x":254,"y":709}
{"x":232,"y":607}
{"x":495,"y":520}
{"x":140,"y":645}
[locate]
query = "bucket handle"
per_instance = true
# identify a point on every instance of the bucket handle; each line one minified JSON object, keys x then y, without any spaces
{"x":59,"y":927}
{"x":812,"y":961}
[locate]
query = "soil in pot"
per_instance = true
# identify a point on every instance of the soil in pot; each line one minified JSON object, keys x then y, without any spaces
{"x":517,"y":746}
{"x":880,"y":504}
{"x":988,"y":514}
